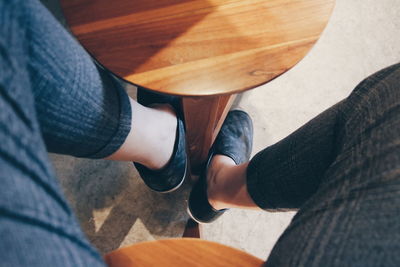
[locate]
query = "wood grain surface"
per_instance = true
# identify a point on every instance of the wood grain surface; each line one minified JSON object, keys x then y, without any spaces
{"x":180,"y":252}
{"x":198,"y":47}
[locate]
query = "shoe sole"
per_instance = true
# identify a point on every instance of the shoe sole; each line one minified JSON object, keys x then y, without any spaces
{"x":192,"y":217}
{"x":176,"y":187}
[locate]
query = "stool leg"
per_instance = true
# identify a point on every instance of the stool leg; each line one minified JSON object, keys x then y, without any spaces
{"x":192,"y":230}
{"x":204,"y":117}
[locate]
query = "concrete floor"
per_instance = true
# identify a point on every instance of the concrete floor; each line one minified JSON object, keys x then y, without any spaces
{"x":116,"y":209}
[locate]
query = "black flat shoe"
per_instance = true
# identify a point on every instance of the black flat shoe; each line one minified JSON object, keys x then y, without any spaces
{"x":148,"y":98}
{"x":235,"y":141}
{"x":173,"y":174}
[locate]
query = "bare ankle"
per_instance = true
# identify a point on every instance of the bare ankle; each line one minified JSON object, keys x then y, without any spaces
{"x":165,"y":137}
{"x":216,"y":179}
{"x":151,"y":139}
{"x":227,"y":185}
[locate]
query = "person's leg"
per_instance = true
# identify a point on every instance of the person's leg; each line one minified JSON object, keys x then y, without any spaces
{"x":282,"y":176}
{"x":343,"y":171}
{"x":50,"y":88}
{"x":37,"y":228}
{"x":352,"y":219}
{"x":82,"y":110}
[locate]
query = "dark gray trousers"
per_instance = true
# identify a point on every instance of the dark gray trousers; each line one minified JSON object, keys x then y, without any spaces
{"x":342,"y":171}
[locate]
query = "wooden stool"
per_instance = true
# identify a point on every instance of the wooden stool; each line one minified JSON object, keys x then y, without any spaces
{"x":180,"y":252}
{"x":205,"y":50}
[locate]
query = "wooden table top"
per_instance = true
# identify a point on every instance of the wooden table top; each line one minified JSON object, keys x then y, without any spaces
{"x":198,"y":47}
{"x":180,"y":252}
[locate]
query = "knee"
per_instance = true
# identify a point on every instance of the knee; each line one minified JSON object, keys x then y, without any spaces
{"x":379,"y":92}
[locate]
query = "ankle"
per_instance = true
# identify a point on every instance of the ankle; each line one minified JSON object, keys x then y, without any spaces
{"x":217,"y":178}
{"x":151,"y":139}
{"x":164,"y":138}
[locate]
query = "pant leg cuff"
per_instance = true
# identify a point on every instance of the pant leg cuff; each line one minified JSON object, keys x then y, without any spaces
{"x":124,"y":126}
{"x":255,"y":186}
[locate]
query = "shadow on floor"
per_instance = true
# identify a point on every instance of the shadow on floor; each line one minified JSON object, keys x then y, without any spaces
{"x":114,"y":206}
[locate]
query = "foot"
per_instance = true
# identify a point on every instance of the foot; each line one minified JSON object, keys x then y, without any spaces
{"x":219,"y":182}
{"x":227,"y":184}
{"x":219,"y":169}
{"x":166,"y":168}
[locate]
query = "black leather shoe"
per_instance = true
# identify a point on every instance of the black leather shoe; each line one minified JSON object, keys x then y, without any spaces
{"x":173,"y":174}
{"x":148,"y":98}
{"x":235,"y":140}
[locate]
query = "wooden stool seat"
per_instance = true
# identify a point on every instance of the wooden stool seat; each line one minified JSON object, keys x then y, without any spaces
{"x":198,"y":47}
{"x":180,"y":252}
